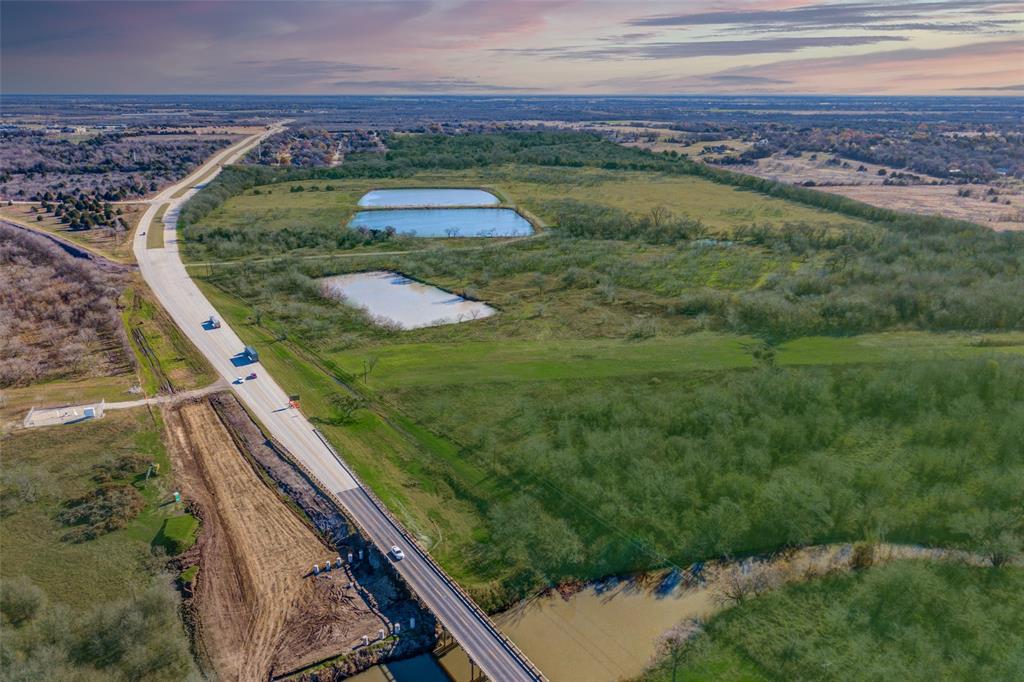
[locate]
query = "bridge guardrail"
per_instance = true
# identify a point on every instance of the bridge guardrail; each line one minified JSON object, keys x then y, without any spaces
{"x":532,"y":669}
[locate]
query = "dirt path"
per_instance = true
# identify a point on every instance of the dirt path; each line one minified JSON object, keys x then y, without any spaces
{"x":260,"y":615}
{"x":215,"y":387}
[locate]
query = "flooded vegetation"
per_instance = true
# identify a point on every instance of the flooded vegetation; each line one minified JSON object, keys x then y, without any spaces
{"x":392,"y":299}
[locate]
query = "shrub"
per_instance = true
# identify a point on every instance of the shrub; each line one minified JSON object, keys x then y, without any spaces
{"x":20,"y":600}
{"x":119,"y":469}
{"x":103,"y":510}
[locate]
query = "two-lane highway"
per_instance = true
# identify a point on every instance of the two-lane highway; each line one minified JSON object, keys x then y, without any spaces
{"x":163,"y":270}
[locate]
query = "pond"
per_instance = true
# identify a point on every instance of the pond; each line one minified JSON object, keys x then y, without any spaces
{"x":394,"y":300}
{"x":447,"y":222}
{"x":398,"y":198}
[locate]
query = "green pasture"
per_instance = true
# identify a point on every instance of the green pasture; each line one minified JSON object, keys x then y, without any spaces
{"x":42,"y":468}
{"x":401,"y":365}
{"x":276,"y":207}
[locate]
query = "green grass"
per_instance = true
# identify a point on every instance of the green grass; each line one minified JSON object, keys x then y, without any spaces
{"x":175,"y":356}
{"x":178,"y":534}
{"x":532,"y":190}
{"x":18,"y":401}
{"x":908,"y":621}
{"x":188,"y":576}
{"x":404,"y":365}
{"x":719,"y":206}
{"x":155,"y":235}
{"x":42,"y":468}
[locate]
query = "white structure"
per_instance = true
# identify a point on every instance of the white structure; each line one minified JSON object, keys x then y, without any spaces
{"x":51,"y":416}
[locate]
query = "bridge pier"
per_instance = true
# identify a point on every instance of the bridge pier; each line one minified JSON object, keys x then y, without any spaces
{"x":446,"y":643}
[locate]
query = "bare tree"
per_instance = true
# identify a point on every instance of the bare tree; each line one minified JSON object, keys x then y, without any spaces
{"x":740,"y":581}
{"x":676,"y":643}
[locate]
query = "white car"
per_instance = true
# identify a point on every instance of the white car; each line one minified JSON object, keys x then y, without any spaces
{"x":239,"y":380}
{"x":397,"y":552}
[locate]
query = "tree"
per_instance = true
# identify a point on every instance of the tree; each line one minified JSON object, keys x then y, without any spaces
{"x":676,"y":644}
{"x":344,"y":407}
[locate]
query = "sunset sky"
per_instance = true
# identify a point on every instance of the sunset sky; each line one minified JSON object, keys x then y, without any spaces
{"x":528,"y":46}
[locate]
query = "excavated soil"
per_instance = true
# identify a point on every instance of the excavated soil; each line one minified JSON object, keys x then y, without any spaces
{"x":258,"y":612}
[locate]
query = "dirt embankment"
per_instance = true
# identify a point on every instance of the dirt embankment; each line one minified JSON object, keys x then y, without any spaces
{"x":257,"y":611}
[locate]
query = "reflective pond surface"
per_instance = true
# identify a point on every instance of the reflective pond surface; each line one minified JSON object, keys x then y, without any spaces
{"x":394,"y":300}
{"x":397,"y":198}
{"x":447,"y":222}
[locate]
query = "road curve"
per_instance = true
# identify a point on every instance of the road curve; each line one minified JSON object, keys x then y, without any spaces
{"x":163,"y":270}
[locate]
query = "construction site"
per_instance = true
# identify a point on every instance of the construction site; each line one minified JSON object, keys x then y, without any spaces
{"x":299,"y":594}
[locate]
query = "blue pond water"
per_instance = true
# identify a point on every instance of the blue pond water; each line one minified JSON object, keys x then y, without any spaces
{"x":447,"y":222}
{"x":397,"y":198}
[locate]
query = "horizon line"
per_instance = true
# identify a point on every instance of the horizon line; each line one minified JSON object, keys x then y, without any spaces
{"x":1002,"y":93}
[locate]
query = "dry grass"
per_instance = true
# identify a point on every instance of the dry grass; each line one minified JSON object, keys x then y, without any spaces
{"x":109,"y":243}
{"x":925,"y":197}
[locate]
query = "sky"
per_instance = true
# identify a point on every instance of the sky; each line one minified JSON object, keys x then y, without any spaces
{"x":861,"y":47}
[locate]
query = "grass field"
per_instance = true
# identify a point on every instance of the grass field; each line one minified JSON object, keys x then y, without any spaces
{"x":116,"y":246}
{"x":402,"y":462}
{"x":96,"y":608}
{"x":908,"y":621}
{"x":162,"y":352}
{"x":404,"y":365}
{"x":44,"y":467}
{"x":178,"y":534}
{"x":277,"y":208}
{"x":82,"y":589}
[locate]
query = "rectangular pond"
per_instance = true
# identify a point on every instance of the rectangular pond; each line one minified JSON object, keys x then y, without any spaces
{"x":423,"y":196}
{"x":392,"y":299}
{"x":446,"y":222}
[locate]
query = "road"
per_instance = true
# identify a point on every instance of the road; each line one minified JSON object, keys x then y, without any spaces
{"x":188,"y":307}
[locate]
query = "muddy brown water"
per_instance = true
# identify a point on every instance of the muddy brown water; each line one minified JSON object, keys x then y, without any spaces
{"x":604,"y":633}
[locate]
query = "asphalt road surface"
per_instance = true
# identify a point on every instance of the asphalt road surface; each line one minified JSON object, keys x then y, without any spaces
{"x":189,"y":308}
